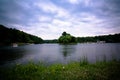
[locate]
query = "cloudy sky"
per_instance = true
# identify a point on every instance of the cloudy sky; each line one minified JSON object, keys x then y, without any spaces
{"x":49,"y":18}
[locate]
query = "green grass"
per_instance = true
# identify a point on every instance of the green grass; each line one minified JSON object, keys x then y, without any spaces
{"x":72,"y":71}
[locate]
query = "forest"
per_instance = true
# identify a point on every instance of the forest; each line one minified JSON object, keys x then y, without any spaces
{"x":10,"y":35}
{"x":114,"y":38}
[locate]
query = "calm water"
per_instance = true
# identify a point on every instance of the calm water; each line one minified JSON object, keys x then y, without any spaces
{"x":56,"y":53}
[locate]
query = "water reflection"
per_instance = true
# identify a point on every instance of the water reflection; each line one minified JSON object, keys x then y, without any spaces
{"x":67,"y":50}
{"x":8,"y":54}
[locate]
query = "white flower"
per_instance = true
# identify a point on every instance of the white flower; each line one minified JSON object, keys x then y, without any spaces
{"x":63,"y":67}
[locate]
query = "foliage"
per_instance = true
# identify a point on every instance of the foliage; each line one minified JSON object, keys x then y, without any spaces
{"x":66,"y":38}
{"x":72,"y":71}
{"x":51,"y":41}
{"x":107,"y":38}
{"x":10,"y":35}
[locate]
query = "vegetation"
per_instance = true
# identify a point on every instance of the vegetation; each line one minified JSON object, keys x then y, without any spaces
{"x":51,"y":41}
{"x":107,"y":38}
{"x":66,"y":38}
{"x":10,"y":35}
{"x":72,"y":71}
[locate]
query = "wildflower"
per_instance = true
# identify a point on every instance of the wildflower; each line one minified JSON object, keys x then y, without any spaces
{"x":63,"y":67}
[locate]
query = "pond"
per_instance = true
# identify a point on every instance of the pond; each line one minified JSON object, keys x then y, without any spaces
{"x":58,"y":53}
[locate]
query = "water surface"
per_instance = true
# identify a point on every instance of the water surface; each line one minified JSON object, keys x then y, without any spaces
{"x":57,"y":53}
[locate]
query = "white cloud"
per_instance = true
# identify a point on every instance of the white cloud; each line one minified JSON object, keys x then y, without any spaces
{"x":61,"y":23}
{"x":52,"y":8}
{"x":47,"y":7}
{"x":85,"y":2}
{"x":74,"y":1}
{"x":44,"y":18}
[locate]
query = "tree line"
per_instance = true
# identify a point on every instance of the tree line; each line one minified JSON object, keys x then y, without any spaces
{"x":115,"y":38}
{"x":10,"y":35}
{"x":67,"y":38}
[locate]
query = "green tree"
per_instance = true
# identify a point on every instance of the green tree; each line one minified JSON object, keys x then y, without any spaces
{"x":64,"y":33}
{"x":66,"y":38}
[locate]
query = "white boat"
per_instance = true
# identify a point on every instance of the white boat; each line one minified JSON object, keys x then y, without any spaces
{"x":15,"y":45}
{"x":101,"y":42}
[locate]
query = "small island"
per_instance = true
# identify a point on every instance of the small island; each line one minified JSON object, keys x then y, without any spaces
{"x":67,"y":38}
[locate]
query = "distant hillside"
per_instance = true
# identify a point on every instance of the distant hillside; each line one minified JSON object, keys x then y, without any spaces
{"x":67,"y":38}
{"x":9,"y":35}
{"x":115,"y":38}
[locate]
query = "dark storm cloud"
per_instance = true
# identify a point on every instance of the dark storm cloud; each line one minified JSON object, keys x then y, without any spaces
{"x":8,"y":10}
{"x":108,"y":11}
{"x":112,"y":10}
{"x":16,"y":12}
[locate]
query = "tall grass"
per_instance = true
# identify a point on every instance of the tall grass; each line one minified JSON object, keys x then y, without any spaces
{"x":83,"y":61}
{"x":72,"y":71}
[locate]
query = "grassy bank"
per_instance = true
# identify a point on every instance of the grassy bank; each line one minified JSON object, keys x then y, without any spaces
{"x":72,"y":71}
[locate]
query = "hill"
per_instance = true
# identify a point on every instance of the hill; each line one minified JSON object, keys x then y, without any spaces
{"x":10,"y":35}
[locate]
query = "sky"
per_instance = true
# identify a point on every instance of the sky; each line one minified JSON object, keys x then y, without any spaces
{"x":49,"y":18}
